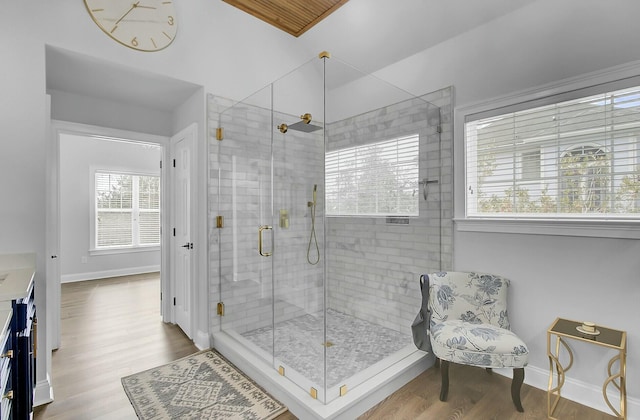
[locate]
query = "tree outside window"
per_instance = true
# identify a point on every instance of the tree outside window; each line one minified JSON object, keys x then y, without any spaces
{"x":378,"y":179}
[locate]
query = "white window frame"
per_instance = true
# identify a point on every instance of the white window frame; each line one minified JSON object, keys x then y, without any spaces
{"x":93,"y":248}
{"x":615,"y":78}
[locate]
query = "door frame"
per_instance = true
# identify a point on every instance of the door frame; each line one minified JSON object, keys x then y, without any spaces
{"x":58,"y":127}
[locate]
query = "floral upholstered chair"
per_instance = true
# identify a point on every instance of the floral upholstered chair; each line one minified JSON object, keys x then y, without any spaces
{"x":470,"y":326}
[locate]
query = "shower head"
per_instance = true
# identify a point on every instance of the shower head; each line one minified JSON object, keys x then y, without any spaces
{"x":304,"y":127}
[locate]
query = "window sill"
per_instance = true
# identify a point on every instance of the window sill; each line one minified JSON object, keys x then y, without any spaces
{"x":623,"y":229}
{"x":127,"y":250}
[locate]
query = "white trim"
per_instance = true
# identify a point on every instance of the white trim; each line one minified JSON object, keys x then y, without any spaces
{"x":124,"y":250}
{"x":202,"y":340}
{"x":43,"y":393}
{"x":70,"y":278}
{"x":591,"y":228}
{"x":357,"y":400}
{"x":584,"y":228}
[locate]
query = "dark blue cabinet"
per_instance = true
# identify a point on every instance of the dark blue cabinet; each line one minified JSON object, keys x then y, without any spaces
{"x":23,"y":372}
{"x":6,"y":364}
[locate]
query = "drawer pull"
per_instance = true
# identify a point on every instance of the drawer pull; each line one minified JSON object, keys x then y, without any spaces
{"x":8,"y":354}
{"x":8,"y":395}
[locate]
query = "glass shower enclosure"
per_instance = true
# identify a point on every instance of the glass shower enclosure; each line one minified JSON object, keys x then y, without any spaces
{"x":325,"y":209}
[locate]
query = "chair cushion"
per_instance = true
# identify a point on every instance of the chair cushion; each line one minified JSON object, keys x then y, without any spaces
{"x":482,"y":345}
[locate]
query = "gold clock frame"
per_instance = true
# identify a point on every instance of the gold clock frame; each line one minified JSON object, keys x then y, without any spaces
{"x":142,"y":33}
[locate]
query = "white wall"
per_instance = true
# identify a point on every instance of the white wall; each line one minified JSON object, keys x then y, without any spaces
{"x":581,"y":278}
{"x":230,"y":55}
{"x":540,"y":43}
{"x":79,"y":157}
{"x":84,"y":109}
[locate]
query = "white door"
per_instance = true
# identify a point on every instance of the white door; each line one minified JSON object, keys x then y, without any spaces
{"x":181,"y":241}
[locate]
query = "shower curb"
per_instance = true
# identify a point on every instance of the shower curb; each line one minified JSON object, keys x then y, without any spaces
{"x":357,"y":401}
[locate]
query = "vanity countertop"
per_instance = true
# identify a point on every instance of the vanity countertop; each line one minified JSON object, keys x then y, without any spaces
{"x":14,"y":284}
{"x":16,"y":273}
{"x":5,"y":320}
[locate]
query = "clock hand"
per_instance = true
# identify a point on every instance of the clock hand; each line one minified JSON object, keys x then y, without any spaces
{"x":146,"y":7}
{"x":133,"y":6}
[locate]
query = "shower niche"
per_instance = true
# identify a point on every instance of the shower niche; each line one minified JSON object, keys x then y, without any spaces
{"x":315,"y":289}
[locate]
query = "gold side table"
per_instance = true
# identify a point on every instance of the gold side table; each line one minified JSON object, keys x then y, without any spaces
{"x":610,"y":338}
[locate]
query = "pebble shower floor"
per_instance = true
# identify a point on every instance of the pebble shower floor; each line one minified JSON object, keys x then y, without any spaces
{"x":352,"y":345}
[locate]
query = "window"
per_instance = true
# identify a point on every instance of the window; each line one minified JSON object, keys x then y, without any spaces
{"x":127,"y":209}
{"x":378,"y":179}
{"x":576,"y":158}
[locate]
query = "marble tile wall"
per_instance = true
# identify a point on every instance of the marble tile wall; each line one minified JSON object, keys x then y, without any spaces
{"x":242,"y":196}
{"x":374,"y":266}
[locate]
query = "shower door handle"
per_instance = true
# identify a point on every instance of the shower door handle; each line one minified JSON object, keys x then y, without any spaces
{"x":260,"y":246}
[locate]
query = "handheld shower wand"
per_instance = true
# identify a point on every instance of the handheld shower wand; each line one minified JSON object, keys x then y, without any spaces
{"x":312,"y":235}
{"x":315,"y":196}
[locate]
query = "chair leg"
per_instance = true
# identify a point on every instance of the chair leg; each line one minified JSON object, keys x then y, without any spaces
{"x":516,"y":384}
{"x":444,"y":386}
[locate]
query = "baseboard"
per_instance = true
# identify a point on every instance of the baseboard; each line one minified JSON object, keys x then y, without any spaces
{"x":70,"y":278}
{"x":43,"y":392}
{"x":201,"y":340}
{"x":581,"y":392}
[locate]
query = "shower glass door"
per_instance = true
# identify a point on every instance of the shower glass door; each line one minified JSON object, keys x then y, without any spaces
{"x":246,"y":242}
{"x":271,"y":188}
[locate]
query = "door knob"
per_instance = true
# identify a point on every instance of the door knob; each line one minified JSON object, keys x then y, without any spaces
{"x":188,"y":245}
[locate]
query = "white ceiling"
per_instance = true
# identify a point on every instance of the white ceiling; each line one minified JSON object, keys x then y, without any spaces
{"x":372,"y":33}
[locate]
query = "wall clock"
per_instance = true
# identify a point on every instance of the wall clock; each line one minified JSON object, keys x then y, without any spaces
{"x":144,"y":25}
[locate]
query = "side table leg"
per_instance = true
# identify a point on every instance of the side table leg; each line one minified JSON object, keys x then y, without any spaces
{"x":620,"y":384}
{"x":554,"y":362}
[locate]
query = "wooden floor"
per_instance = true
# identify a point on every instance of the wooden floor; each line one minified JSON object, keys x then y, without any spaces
{"x":474,"y":394}
{"x":112,"y":328}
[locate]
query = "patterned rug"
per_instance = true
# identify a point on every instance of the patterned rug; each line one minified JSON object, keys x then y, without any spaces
{"x":201,"y":386}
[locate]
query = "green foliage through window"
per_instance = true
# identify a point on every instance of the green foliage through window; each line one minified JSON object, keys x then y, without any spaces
{"x":378,"y":179}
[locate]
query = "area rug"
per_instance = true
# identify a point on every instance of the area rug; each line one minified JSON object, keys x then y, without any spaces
{"x":201,"y":386}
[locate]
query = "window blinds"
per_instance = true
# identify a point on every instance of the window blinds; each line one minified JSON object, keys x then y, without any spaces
{"x":127,"y":210}
{"x":378,"y":179}
{"x":577,"y":158}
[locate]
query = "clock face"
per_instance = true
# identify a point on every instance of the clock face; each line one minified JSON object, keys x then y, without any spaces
{"x":145,"y":25}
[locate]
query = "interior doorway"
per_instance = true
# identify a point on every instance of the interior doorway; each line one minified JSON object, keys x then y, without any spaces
{"x":112,"y":200}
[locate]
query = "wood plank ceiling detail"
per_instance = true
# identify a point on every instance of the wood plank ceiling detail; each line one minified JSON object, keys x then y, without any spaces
{"x":292,"y":16}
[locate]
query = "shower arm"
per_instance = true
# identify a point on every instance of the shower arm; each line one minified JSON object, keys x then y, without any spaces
{"x":425,"y":182}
